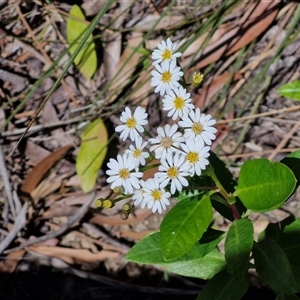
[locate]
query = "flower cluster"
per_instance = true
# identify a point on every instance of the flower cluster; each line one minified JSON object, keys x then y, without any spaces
{"x":182,"y":149}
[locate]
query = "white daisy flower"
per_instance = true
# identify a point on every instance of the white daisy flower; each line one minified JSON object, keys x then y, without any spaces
{"x":133,"y":123}
{"x":167,"y":141}
{"x":174,"y":168}
{"x":195,"y":155}
{"x":121,"y":175}
{"x":155,"y":196}
{"x":137,"y":153}
{"x":166,"y":77}
{"x":178,"y":102}
{"x":138,"y":195}
{"x":198,"y":125}
{"x":165,"y":52}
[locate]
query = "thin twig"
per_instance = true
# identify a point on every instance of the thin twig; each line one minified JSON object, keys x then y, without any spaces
{"x":7,"y":186}
{"x":39,"y":127}
{"x":19,"y":223}
{"x":284,"y":140}
{"x":77,"y":217}
{"x":268,"y":113}
{"x":257,"y":153}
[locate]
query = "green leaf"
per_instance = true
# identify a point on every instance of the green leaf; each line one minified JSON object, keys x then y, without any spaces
{"x":289,"y":241}
{"x":293,"y":162}
{"x":238,"y":245}
{"x":264,"y":185}
{"x":210,"y":239}
{"x":86,"y":60}
{"x":188,"y":194}
{"x":290,"y":90}
{"x":193,"y":263}
{"x":274,"y":230}
{"x":199,"y":181}
{"x":273,"y":267}
{"x":224,"y":286}
{"x":184,"y":225}
{"x":204,"y":268}
{"x":91,"y":154}
{"x":228,"y":182}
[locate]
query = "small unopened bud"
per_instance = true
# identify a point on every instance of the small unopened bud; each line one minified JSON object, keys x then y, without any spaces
{"x":124,"y":216}
{"x":127,"y":208}
{"x":99,"y":203}
{"x":197,"y":79}
{"x":118,"y":190}
{"x":108,"y":203}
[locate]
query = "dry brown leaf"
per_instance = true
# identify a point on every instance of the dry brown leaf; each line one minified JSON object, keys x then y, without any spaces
{"x":35,"y":153}
{"x":134,"y":235}
{"x":74,"y":256}
{"x":224,"y":42}
{"x":10,"y":262}
{"x":126,"y":65}
{"x":112,"y":51}
{"x":47,"y":186}
{"x":58,"y":210}
{"x":141,"y":96}
{"x":138,"y":216}
{"x":41,"y":169}
{"x":156,"y":22}
{"x":209,"y":90}
{"x":65,"y":206}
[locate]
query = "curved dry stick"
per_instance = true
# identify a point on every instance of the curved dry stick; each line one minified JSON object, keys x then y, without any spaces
{"x":80,"y":213}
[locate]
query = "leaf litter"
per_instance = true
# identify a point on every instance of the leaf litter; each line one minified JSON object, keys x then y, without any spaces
{"x":58,"y":229}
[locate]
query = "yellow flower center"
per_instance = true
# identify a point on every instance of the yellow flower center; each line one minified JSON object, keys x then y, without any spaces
{"x":124,"y":173}
{"x":137,"y":153}
{"x":197,"y":128}
{"x":156,"y":194}
{"x":192,"y":157}
{"x":131,"y":123}
{"x":167,"y":54}
{"x":166,"y":77}
{"x":172,"y":172}
{"x":178,"y":102}
{"x":166,"y":142}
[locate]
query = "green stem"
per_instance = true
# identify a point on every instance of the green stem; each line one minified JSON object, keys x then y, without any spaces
{"x":223,"y":192}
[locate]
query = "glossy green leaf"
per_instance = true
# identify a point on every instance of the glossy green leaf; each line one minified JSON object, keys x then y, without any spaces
{"x":193,"y":263}
{"x":289,"y":241}
{"x":91,"y":154}
{"x":204,"y":268}
{"x":293,"y":162}
{"x":210,"y":239}
{"x":188,"y":194}
{"x":264,"y":185}
{"x":238,"y":246}
{"x":273,"y":267}
{"x":224,"y":286}
{"x":184,"y":225}
{"x":228,"y":182}
{"x":86,"y":60}
{"x":290,"y":90}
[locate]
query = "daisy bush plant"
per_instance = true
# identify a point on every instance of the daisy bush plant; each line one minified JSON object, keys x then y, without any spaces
{"x":191,"y":185}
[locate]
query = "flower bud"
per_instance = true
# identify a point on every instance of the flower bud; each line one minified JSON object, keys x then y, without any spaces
{"x":108,"y":203}
{"x":118,"y":190}
{"x":99,"y":203}
{"x":127,"y":208}
{"x":197,"y":79}
{"x":124,"y":216}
